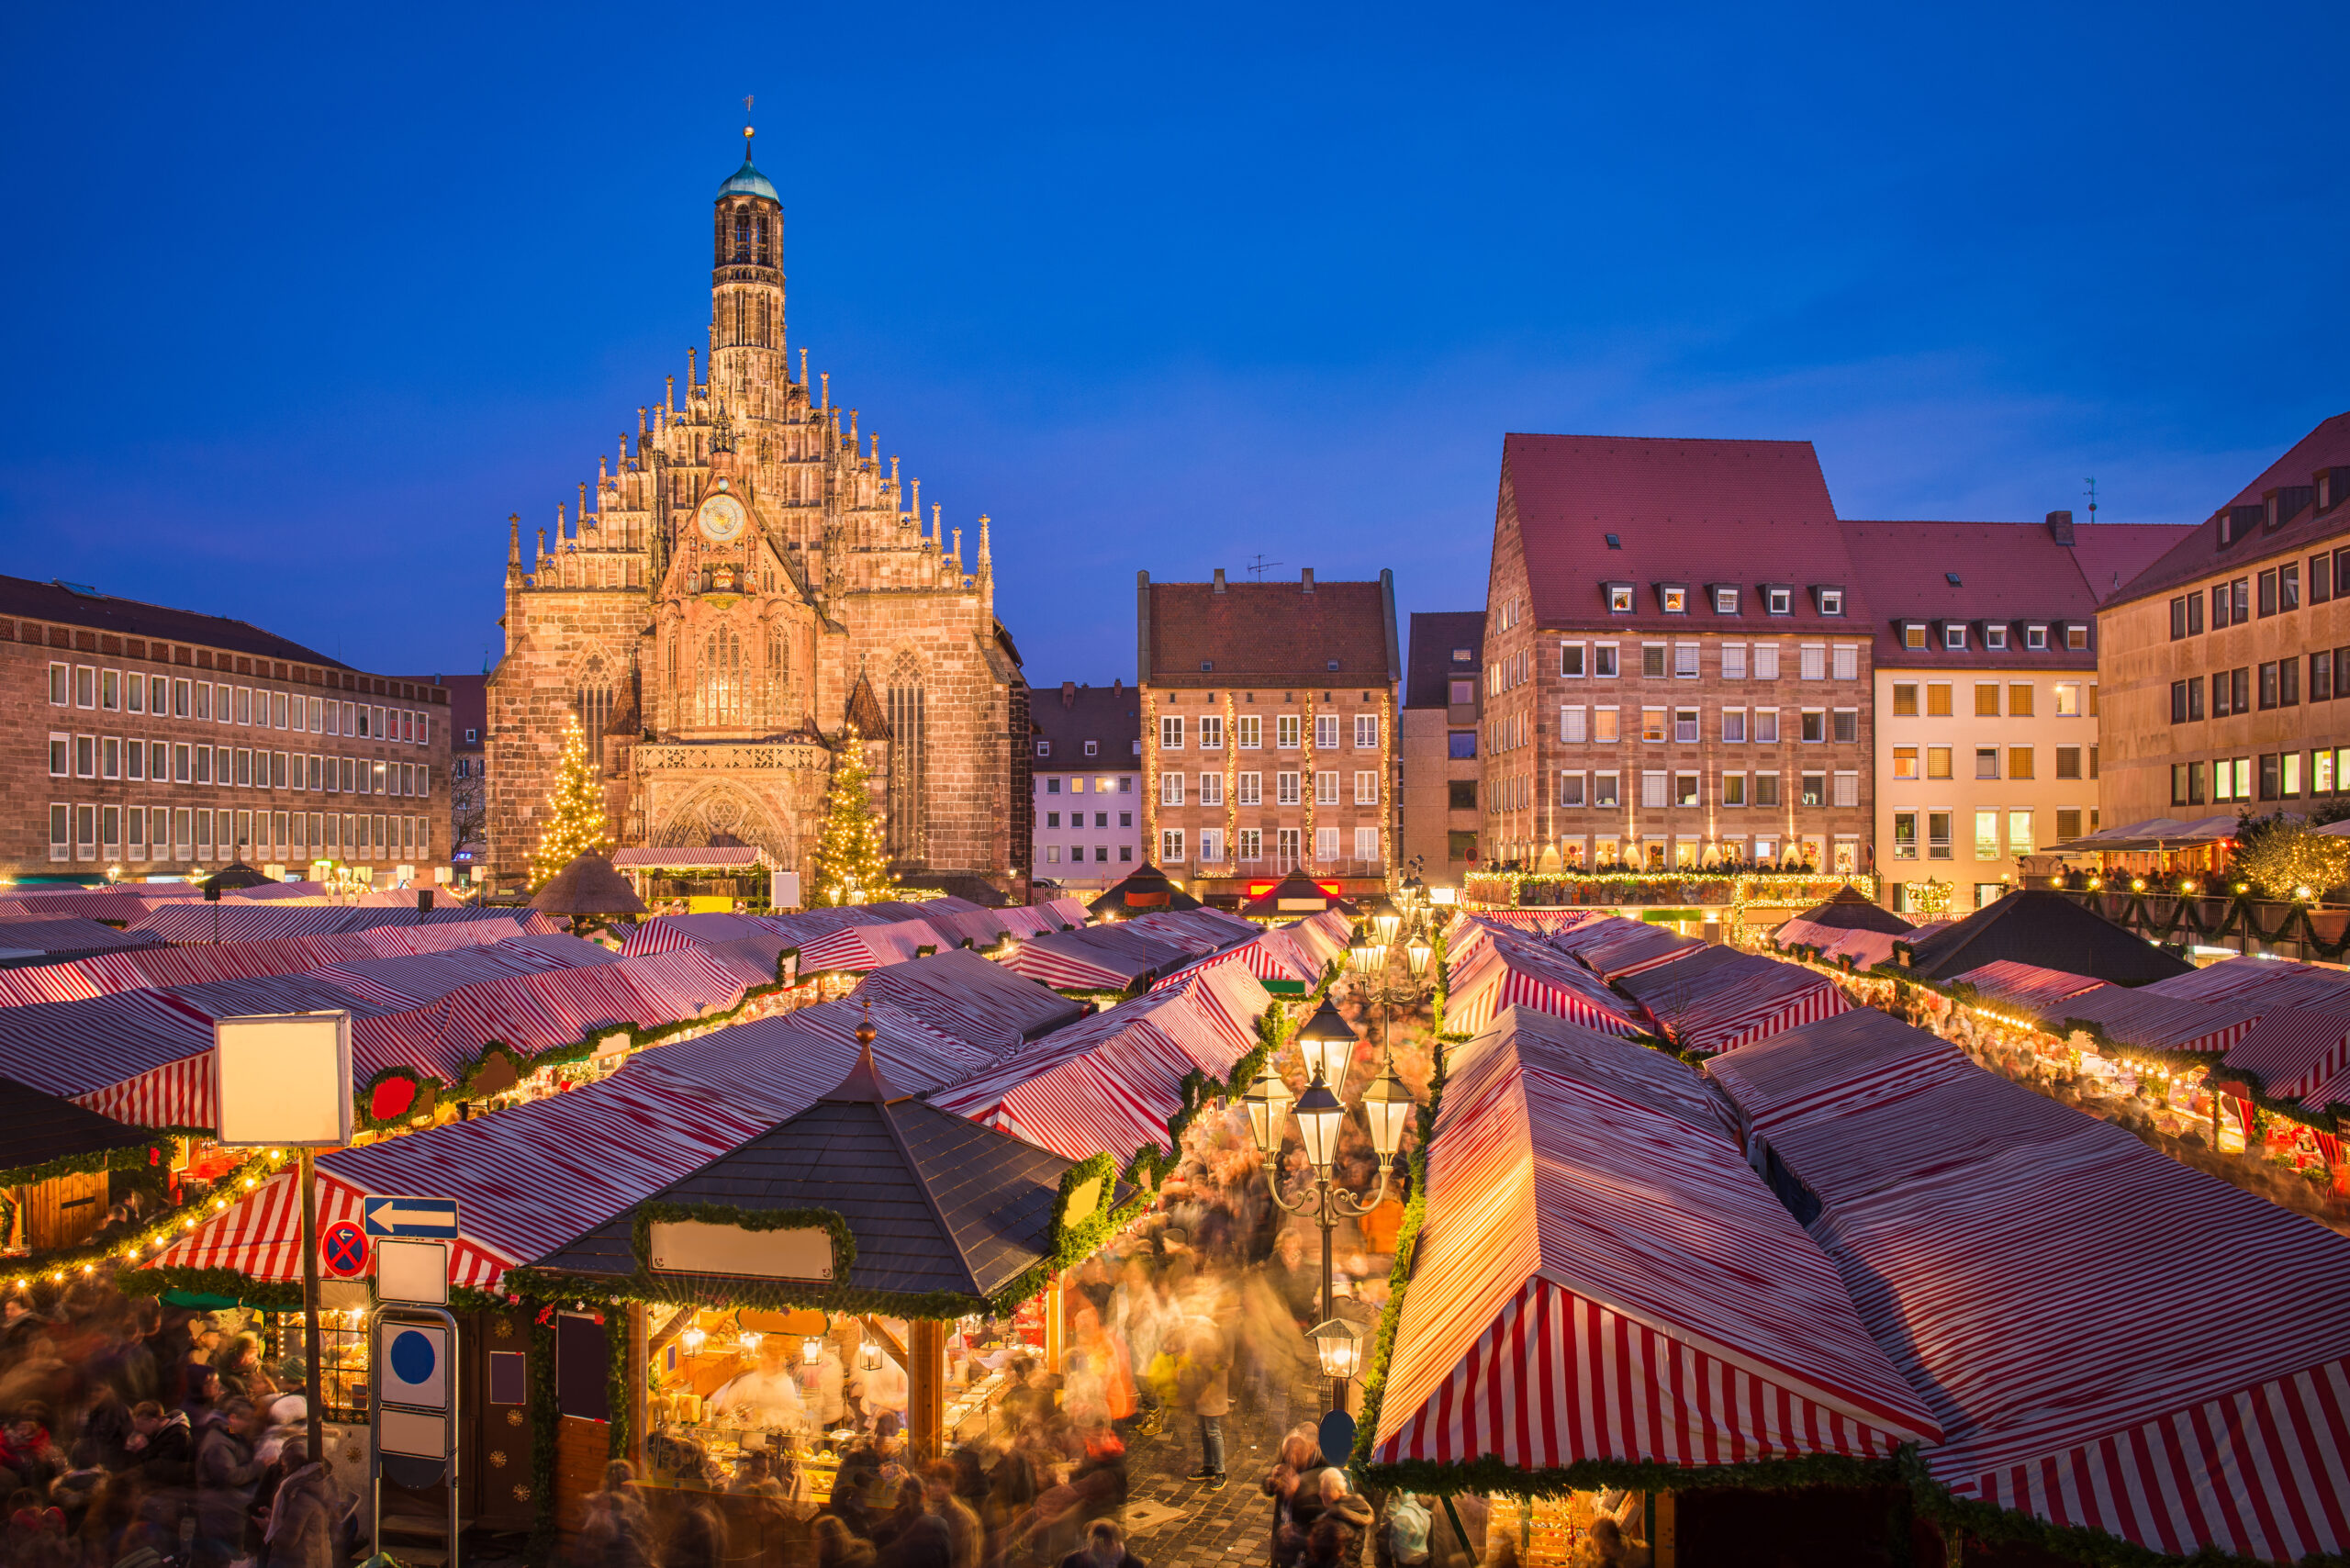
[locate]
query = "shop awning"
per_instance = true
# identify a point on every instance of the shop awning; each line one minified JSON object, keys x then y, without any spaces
{"x":979,"y":1003}
{"x":2107,"y":1339}
{"x":856,"y":949}
{"x":1100,"y":957}
{"x":1614,"y":949}
{"x":1721,"y":998}
{"x":702,"y":858}
{"x":186,"y":921}
{"x":2027,"y":987}
{"x":1602,"y":1281}
{"x":1506,"y":970}
{"x":39,"y":1130}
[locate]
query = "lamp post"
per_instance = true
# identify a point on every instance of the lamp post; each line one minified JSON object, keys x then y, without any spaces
{"x":1327,"y":1044}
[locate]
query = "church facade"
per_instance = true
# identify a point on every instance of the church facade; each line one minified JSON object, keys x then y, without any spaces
{"x":754,"y":588}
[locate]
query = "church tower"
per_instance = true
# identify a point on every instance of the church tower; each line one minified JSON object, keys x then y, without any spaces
{"x":748,"y":369}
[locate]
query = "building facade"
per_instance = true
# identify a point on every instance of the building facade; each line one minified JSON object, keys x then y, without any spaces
{"x":161,"y":742}
{"x":1086,"y":768}
{"x":2221,"y":663}
{"x":1985,"y":691}
{"x":468,"y":772}
{"x":1267,"y":715}
{"x":754,"y":588}
{"x":1677,"y":659}
{"x":1443,"y":714}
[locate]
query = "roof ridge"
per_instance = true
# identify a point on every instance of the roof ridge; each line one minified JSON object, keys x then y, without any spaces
{"x":938,"y":1217}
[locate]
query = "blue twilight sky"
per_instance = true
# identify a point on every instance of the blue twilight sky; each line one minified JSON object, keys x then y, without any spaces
{"x":303,"y":301}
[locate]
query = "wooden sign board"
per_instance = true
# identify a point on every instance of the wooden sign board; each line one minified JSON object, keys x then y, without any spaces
{"x":698,"y":1247}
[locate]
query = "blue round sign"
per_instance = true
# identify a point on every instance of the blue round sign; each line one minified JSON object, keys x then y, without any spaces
{"x":413,"y":1356}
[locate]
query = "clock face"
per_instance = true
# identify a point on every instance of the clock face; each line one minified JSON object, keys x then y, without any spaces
{"x":721,"y":518}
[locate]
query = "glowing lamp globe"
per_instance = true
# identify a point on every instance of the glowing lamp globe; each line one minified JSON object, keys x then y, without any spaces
{"x":1327,"y":1043}
{"x":1319,"y":1116}
{"x":1268,"y":1103}
{"x":1387,"y":1107}
{"x":1338,"y":1347}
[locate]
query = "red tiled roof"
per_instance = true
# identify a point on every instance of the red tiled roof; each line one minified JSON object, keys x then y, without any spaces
{"x":1270,"y":633}
{"x":1435,"y":634}
{"x":2110,"y":554}
{"x":1693,"y":511}
{"x":2008,"y":572}
{"x":2200,"y":553}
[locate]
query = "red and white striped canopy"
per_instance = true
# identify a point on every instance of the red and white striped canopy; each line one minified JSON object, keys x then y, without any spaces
{"x":2269,"y":982}
{"x":1601,"y":1277}
{"x":2289,"y":1053}
{"x":1099,"y":957}
{"x":1505,"y":969}
{"x":2108,"y":1338}
{"x":854,"y":949}
{"x":966,"y":996}
{"x":231,"y":921}
{"x":1718,"y":1000}
{"x":2027,"y":987}
{"x":156,"y":964}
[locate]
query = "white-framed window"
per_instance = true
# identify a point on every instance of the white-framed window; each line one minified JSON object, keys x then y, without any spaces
{"x":1847,"y":789}
{"x":1687,"y":790}
{"x":1766,"y":726}
{"x":1814,"y":661}
{"x":1571,"y":724}
{"x":1733,"y":661}
{"x":1767,"y":661}
{"x":1211,"y":789}
{"x":1733,"y":726}
{"x":109,"y":758}
{"x":1571,"y":788}
{"x":1652,"y":725}
{"x":1653,"y":787}
{"x":60,"y":832}
{"x":2035,"y":638}
{"x":1247,"y":731}
{"x":1954,"y":636}
{"x":1286,"y":729}
{"x":86,"y":756}
{"x":1286,"y":790}
{"x":110,"y":690}
{"x":134,"y":697}
{"x":1995,"y":637}
{"x":1052,"y":855}
{"x":1253,"y":845}
{"x":315,"y":706}
{"x":1325,"y":844}
{"x":1366,"y":786}
{"x":1684,"y":661}
{"x":1684,"y":726}
{"x":1606,"y":788}
{"x":1325,"y":787}
{"x":1171,"y":846}
{"x":1619,"y":599}
{"x":1366,"y":731}
{"x":60,"y":684}
{"x":1211,"y":734}
{"x":1212,"y":846}
{"x":61,"y":754}
{"x":1606,"y":725}
{"x":224,"y":705}
{"x":1325,"y":732}
{"x":2068,"y":699}
{"x":1171,"y":788}
{"x":1248,"y":789}
{"x":1571,"y":660}
{"x":277,"y":710}
{"x":1733,"y":788}
{"x":1844,"y":661}
{"x":1725,"y":602}
{"x":1603,"y":661}
{"x":1366,"y":844}
{"x":1831,"y":602}
{"x":85,"y":686}
{"x":1170,"y":731}
{"x":1779,"y":600}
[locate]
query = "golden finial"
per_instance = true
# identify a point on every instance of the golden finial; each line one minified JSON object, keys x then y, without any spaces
{"x":748,"y":131}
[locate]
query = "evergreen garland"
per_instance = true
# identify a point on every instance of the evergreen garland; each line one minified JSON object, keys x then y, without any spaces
{"x":576,"y":824}
{"x":851,"y":852}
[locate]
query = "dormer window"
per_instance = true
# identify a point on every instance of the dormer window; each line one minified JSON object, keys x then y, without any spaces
{"x":1044,"y":748}
{"x":1092,"y":747}
{"x":1913,"y":634}
{"x":1778,"y":598}
{"x":1463,"y":656}
{"x":2035,"y":638}
{"x":2077,"y":636}
{"x":1619,"y":599}
{"x":1830,"y":599}
{"x":1207,"y":665}
{"x":1954,"y":636}
{"x":1995,"y":637}
{"x":1673,"y":598}
{"x":1725,"y":600}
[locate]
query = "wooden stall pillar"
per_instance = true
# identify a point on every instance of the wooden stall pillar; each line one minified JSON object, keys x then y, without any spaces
{"x":1056,"y":1322}
{"x":639,"y":1353}
{"x":1662,"y":1543}
{"x":926,"y":1388}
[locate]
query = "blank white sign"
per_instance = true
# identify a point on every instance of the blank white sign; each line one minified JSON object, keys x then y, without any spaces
{"x":414,"y":1271}
{"x":413,"y":1433}
{"x":695,"y":1247}
{"x":284,"y":1078}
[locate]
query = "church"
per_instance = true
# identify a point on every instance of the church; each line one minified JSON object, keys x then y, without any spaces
{"x":752,"y":588}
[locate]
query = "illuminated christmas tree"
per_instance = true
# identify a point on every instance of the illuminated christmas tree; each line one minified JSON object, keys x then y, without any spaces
{"x":851,"y":862}
{"x":575,"y":810}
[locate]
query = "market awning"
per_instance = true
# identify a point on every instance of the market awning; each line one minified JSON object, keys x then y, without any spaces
{"x":2108,"y":1338}
{"x":1504,"y":968}
{"x":43,"y":1136}
{"x":1602,"y":1281}
{"x":1720,"y":999}
{"x":703,"y":857}
{"x":980,"y":1003}
{"x":1100,"y":957}
{"x":184,"y":921}
{"x":856,"y":949}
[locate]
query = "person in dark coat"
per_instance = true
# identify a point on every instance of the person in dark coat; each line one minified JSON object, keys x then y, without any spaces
{"x":299,"y":1530}
{"x":698,"y":1540}
{"x":226,"y":1472}
{"x":618,"y":1531}
{"x":1104,"y":1548}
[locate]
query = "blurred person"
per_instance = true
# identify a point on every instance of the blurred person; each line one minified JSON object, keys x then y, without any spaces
{"x":837,"y":1547}
{"x":697,"y":1535}
{"x":300,"y":1520}
{"x":1327,"y":1545}
{"x":964,"y":1540}
{"x":226,"y":1472}
{"x":27,"y":1458}
{"x":1349,"y":1509}
{"x":1106,"y":1547}
{"x":916,"y":1537}
{"x":1409,"y":1522}
{"x":617,"y":1530}
{"x":768,"y":1391}
{"x":113,"y":1524}
{"x":1207,"y":1397}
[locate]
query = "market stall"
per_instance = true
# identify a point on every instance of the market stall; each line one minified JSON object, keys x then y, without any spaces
{"x":55,"y":1187}
{"x":1720,"y":999}
{"x":1502,"y":969}
{"x":966,"y":996}
{"x":1099,"y":959}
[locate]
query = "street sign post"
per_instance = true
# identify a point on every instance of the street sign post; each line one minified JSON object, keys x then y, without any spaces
{"x":344,"y":1249}
{"x":413,"y":1274}
{"x":413,"y":1372}
{"x":434,"y":1218}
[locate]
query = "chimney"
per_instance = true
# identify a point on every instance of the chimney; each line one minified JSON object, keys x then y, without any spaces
{"x":1307,"y":578}
{"x":1068,"y":694}
{"x":1219,"y":579}
{"x":2060,"y":527}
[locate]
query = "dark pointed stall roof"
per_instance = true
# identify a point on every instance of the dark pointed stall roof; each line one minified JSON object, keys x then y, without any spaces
{"x":2047,"y":929}
{"x":589,"y":885}
{"x":1849,"y":909}
{"x":1287,"y":898}
{"x":1144,"y":890}
{"x":946,"y":1214}
{"x":37,"y":1129}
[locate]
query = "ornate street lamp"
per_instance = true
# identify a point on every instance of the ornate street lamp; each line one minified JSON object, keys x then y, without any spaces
{"x":1338,"y":1345}
{"x":1417,"y":953}
{"x":1327,"y":1043}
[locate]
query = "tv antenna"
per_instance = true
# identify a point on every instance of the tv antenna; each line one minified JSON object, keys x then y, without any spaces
{"x":2092,"y":485}
{"x":1260,"y":565}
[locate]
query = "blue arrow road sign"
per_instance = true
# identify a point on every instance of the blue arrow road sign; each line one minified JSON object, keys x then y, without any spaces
{"x":411,"y":1217}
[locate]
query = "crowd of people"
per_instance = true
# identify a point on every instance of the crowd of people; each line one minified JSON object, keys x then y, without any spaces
{"x":137,"y":1436}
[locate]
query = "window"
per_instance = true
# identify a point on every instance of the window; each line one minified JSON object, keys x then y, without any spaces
{"x":1684,"y":661}
{"x":2266,"y":598}
{"x":1813,"y":661}
{"x":1987,"y":700}
{"x":1955,"y":637}
{"x":1603,"y":661}
{"x":2320,"y":579}
{"x":1052,"y":855}
{"x":1905,"y":762}
{"x":110,"y":689}
{"x":1571,"y":729}
{"x":1672,"y":599}
{"x":1987,"y":835}
{"x":1995,"y":637}
{"x":2289,"y":587}
{"x":1844,"y":661}
{"x":1571,"y":788}
{"x":1684,"y":726}
{"x":1366,"y":786}
{"x":1171,"y":846}
{"x":1094,"y":748}
{"x":2068,"y":822}
{"x":60,"y":751}
{"x":1210,"y":846}
{"x":2035,"y":638}
{"x":1847,"y":788}
{"x":1286,"y":728}
{"x":1325,"y":732}
{"x":1325,"y":787}
{"x":1619,"y":599}
{"x":2020,"y":762}
{"x":1325,"y":844}
{"x":86,"y":756}
{"x":1814,"y":790}
{"x":1725,"y":602}
{"x":1211,"y":794}
{"x":2269,"y":684}
{"x":2019,"y":840}
{"x":1733,"y":726}
{"x":1460,"y":745}
{"x":1652,"y":725}
{"x":1285,"y":789}
{"x":1733,"y":661}
{"x":1253,"y":845}
{"x":1767,"y":661}
{"x":1366,"y":844}
{"x":1845,"y":724}
{"x":1831,"y":602}
{"x":1766,"y":726}
{"x":1247,"y":731}
{"x":1606,"y":788}
{"x":109,"y":758}
{"x":1171,"y":788}
{"x":86,"y":686}
{"x":2288,"y":683}
{"x":1938,"y":700}
{"x":1684,"y":789}
{"x":1766,"y":788}
{"x":1653,"y":788}
{"x":2289,"y":784}
{"x":57,"y":685}
{"x":1170,"y":731}
{"x":1569,"y":664}
{"x":1913,"y":634}
{"x":1938,"y":835}
{"x":1904,"y":700}
{"x":1366,"y":731}
{"x":1652,"y":661}
{"x":2076,"y":636}
{"x":1460,"y":846}
{"x":2322,"y":677}
{"x":1815,"y":726}
{"x":1779,"y":600}
{"x":1211,"y":734}
{"x":1461,"y":794}
{"x":1248,"y":789}
{"x":1606,"y":725}
{"x":1986,"y":762}
{"x":1733,"y":788}
{"x":1904,"y":835}
{"x":2019,"y":701}
{"x":1463,"y":693}
{"x":2068,"y":766}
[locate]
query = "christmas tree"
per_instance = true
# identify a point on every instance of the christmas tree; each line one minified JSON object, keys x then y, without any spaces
{"x":851,"y":864}
{"x":575,"y":810}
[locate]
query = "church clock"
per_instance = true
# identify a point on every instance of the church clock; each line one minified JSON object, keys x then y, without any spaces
{"x":721,"y":518}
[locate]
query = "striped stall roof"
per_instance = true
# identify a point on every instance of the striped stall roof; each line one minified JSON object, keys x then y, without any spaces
{"x":1721,"y":998}
{"x":186,"y":921}
{"x":2028,"y":987}
{"x":776,"y":1067}
{"x":64,"y":933}
{"x":1197,"y":931}
{"x":2291,"y":1053}
{"x":161,"y":965}
{"x":2108,"y":1338}
{"x":2269,"y":982}
{"x":77,"y":1048}
{"x":1601,"y":1277}
{"x":120,"y":904}
{"x":854,"y":949}
{"x":1111,"y":1083}
{"x":1507,"y":971}
{"x":975,"y":1001}
{"x":1100,"y":957}
{"x":418,"y":978}
{"x":2129,"y":1019}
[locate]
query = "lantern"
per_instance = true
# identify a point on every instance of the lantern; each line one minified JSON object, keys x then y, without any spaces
{"x":1268,"y":1103}
{"x":1327,"y":1043}
{"x":1386,"y":1105}
{"x":812,"y":1349}
{"x":1386,"y":920}
{"x":1319,"y":1116}
{"x":751,"y":1341}
{"x":1418,"y":954}
{"x":1339,"y":1346}
{"x":869,"y":1358}
{"x":1366,"y":957}
{"x":691,"y":1339}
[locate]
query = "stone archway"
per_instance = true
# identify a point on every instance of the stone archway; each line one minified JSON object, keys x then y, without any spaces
{"x":722,"y":808}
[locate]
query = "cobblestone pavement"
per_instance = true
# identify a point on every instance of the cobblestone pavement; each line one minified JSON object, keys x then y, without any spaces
{"x":1231,"y":1529}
